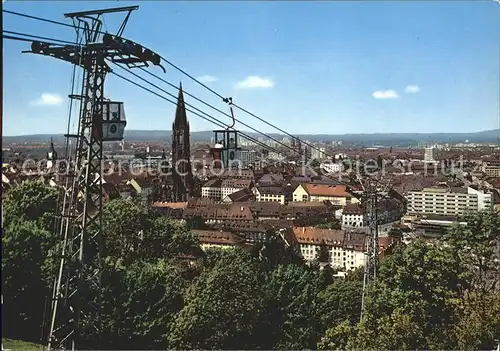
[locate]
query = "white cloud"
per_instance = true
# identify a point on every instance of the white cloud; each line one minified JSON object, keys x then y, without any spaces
{"x":412,"y":89}
{"x":385,"y":94}
{"x":48,"y":99}
{"x":207,"y":79}
{"x":252,"y":82}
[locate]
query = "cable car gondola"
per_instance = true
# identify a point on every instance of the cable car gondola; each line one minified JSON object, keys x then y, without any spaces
{"x":113,"y":121}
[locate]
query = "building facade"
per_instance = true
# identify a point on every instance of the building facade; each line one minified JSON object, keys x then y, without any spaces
{"x":212,"y":189}
{"x":336,"y":194}
{"x":448,"y":201}
{"x":269,"y":194}
{"x":233,"y":185}
{"x":345,"y":250}
{"x":430,"y":154}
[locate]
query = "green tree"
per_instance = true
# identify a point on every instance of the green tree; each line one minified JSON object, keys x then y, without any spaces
{"x":141,"y":301}
{"x":273,"y":252}
{"x":422,"y":280}
{"x":478,"y":325}
{"x":327,"y":275}
{"x":336,"y":337}
{"x":223,"y":308}
{"x":476,"y":245}
{"x":399,"y":331}
{"x":291,"y":307}
{"x":123,"y":222}
{"x":340,"y":301}
{"x":32,"y":201}
{"x":24,"y":250}
{"x":396,"y":234}
{"x":165,"y":238}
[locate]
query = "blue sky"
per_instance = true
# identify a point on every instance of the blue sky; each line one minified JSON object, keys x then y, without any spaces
{"x":308,"y":67}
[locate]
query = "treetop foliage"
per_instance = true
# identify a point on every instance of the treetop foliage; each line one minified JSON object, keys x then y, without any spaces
{"x":161,"y":291}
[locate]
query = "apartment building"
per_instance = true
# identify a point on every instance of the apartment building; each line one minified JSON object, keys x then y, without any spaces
{"x":331,"y":167}
{"x":217,"y":239}
{"x":269,"y":194}
{"x":389,"y":213}
{"x":430,"y":154}
{"x":248,"y":157}
{"x":449,"y":201}
{"x":233,"y":185}
{"x":491,"y":169}
{"x":345,"y":250}
{"x":212,"y":189}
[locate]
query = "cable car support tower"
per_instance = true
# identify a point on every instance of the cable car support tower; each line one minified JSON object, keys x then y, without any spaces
{"x":370,"y":199}
{"x":76,"y":291}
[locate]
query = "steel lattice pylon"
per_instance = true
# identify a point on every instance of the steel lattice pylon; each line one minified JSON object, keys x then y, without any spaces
{"x":76,"y":292}
{"x":370,"y":198}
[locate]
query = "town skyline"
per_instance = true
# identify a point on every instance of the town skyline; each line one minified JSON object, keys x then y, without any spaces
{"x":407,"y":67}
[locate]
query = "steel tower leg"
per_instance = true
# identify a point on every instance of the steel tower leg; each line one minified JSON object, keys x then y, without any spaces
{"x":77,"y":288}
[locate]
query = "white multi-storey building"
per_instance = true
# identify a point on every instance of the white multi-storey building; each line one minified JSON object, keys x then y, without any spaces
{"x":212,"y":189}
{"x":345,"y":250}
{"x":491,"y":169}
{"x":269,"y":194}
{"x":318,"y":153}
{"x":448,"y":201}
{"x":389,"y":213}
{"x":233,"y":185}
{"x":430,"y":154}
{"x":248,"y":156}
{"x":331,"y":167}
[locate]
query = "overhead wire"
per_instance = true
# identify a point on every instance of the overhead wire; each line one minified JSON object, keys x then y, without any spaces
{"x":212,"y":120}
{"x":221,"y":124}
{"x":163,"y":90}
{"x":39,"y":37}
{"x":211,"y":106}
{"x":208,"y":117}
{"x":178,"y":69}
{"x":186,"y":74}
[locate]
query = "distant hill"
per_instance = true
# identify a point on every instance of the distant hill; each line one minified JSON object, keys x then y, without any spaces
{"x":401,"y":139}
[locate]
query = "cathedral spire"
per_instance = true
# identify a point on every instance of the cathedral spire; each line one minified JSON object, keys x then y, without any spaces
{"x":52,"y":154}
{"x":181,"y":165}
{"x":180,"y":112}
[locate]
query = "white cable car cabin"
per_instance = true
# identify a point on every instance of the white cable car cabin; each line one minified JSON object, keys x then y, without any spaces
{"x":113,"y":121}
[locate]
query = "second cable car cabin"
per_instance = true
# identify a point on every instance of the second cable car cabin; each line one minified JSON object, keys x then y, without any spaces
{"x":226,"y":152}
{"x":113,"y":121}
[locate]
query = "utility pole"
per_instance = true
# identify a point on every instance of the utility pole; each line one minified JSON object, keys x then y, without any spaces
{"x":370,"y":199}
{"x":75,"y":308}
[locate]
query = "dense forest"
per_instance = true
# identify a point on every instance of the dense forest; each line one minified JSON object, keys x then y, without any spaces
{"x":161,"y":291}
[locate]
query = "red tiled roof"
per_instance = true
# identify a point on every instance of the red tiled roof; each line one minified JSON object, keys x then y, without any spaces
{"x":217,"y":237}
{"x":326,"y":190}
{"x":170,"y":204}
{"x":311,"y":235}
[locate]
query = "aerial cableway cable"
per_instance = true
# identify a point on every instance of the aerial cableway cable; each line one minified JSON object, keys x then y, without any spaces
{"x":207,"y":116}
{"x":213,"y":119}
{"x":220,"y":124}
{"x":187,"y":75}
{"x":246,"y":125}
{"x":6,"y":35}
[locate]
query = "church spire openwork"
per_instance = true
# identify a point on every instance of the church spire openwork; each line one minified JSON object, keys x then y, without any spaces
{"x":181,"y":163}
{"x":180,"y":120}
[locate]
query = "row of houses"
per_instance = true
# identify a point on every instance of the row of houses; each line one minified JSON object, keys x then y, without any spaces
{"x":219,"y":189}
{"x":245,"y":212}
{"x":346,"y":250}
